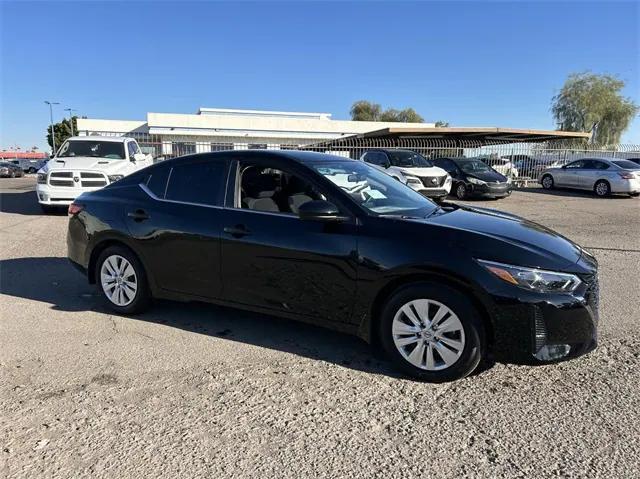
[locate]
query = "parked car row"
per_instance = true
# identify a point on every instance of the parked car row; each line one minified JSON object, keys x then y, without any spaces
{"x":29,"y":165}
{"x":10,"y":170}
{"x":437,"y":178}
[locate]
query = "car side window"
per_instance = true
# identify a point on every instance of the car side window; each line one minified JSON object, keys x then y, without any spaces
{"x":576,"y":164}
{"x":156,"y":181}
{"x":274,"y":190}
{"x":599,"y":165}
{"x":376,"y":158}
{"x":200,"y":183}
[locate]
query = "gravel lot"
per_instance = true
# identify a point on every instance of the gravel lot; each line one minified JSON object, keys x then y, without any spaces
{"x":191,"y":390}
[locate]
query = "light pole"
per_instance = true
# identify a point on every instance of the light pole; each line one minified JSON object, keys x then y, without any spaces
{"x":70,"y":117}
{"x":53,"y":136}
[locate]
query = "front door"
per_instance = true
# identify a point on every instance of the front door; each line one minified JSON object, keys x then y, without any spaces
{"x":273,"y":259}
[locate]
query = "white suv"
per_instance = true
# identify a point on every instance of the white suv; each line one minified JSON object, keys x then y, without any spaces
{"x":412,"y":169}
{"x":87,"y":163}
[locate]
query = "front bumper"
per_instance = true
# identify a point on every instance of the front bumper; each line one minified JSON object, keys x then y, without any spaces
{"x":58,"y":195}
{"x":435,"y":192}
{"x":541,"y":328}
{"x":490,"y":190}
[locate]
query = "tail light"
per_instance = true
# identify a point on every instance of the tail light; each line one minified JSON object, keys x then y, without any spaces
{"x":74,"y":209}
{"x":626,"y":176}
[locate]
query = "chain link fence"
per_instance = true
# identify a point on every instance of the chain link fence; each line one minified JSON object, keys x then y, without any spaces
{"x":523,"y":162}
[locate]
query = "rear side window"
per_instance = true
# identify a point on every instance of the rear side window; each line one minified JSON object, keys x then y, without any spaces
{"x":157,"y":181}
{"x":201,"y":183}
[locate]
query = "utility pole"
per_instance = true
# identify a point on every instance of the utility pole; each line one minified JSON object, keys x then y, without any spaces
{"x":53,"y":136}
{"x":70,"y":117}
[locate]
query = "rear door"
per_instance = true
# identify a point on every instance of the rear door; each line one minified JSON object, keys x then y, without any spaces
{"x":178,"y":222}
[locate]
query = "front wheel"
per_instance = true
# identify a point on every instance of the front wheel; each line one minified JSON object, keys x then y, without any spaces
{"x":547,"y":182}
{"x":32,"y":170}
{"x":602,"y":188}
{"x":461,"y":191}
{"x":432,"y":332}
{"x":122,"y":280}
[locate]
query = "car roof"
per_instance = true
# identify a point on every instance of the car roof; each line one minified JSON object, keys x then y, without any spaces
{"x":304,"y":157}
{"x":112,"y":139}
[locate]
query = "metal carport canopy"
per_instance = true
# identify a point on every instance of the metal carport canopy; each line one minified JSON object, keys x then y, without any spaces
{"x":482,"y":134}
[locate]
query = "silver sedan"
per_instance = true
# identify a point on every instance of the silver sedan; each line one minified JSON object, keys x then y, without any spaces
{"x":603,"y":176}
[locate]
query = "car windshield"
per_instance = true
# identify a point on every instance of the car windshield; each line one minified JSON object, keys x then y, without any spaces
{"x":473,"y":166}
{"x":626,"y":164}
{"x":375,"y":191}
{"x":98,"y":149}
{"x":409,"y":159}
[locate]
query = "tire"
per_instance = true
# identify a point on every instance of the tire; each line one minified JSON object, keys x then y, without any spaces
{"x":602,"y":188}
{"x":32,"y":170}
{"x":461,"y":191}
{"x":118,"y":272}
{"x":547,"y":182}
{"x":466,"y":336}
{"x":634,"y":195}
{"x":13,"y":174}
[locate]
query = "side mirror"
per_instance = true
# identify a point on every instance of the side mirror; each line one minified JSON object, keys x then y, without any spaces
{"x":320,"y":210}
{"x":386,"y":164}
{"x":139,"y":157}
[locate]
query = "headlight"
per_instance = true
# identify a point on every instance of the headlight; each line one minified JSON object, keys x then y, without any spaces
{"x":414,"y":180}
{"x":42,"y":178}
{"x":113,"y":178}
{"x":533,"y":279}
{"x":476,"y":181}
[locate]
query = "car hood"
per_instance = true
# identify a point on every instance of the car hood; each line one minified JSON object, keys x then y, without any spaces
{"x":489,"y":176}
{"x":422,"y":171}
{"x":86,"y":163}
{"x":547,"y":248}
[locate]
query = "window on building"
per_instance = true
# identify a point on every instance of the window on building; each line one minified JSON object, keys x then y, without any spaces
{"x":181,"y":148}
{"x":201,"y":183}
{"x":257,"y":146}
{"x":221,"y":146}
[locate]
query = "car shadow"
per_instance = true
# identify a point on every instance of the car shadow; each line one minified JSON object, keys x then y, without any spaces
{"x":24,"y":203}
{"x":60,"y":285}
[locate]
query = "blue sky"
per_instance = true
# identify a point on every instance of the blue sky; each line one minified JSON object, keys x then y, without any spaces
{"x":472,"y":64}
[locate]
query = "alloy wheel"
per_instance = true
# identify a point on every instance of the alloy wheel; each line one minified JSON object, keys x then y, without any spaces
{"x":547,"y":182}
{"x":461,"y":191}
{"x":119,"y":280}
{"x":428,"y":334}
{"x":602,"y":189}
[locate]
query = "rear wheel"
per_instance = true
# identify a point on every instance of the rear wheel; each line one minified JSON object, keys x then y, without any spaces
{"x":432,"y":332}
{"x":602,"y":188}
{"x":122,"y":280}
{"x":32,"y":170}
{"x":547,"y":182}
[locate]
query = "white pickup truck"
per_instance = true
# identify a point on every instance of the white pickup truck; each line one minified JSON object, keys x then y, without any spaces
{"x":87,"y":163}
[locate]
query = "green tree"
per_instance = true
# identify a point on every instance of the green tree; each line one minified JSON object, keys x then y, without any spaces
{"x":589,"y":100}
{"x":62,"y":131}
{"x":364,"y":110}
{"x":442,"y":124}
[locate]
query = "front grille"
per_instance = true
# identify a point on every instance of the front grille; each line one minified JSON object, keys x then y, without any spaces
{"x":92,"y":180}
{"x":433,"y":181}
{"x":61,"y":178}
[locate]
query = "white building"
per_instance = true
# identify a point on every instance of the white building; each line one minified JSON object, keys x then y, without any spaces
{"x":212,"y":129}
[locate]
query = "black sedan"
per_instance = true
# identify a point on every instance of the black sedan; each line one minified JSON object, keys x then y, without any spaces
{"x":337,"y":243}
{"x":10,"y":170}
{"x":474,"y":178}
